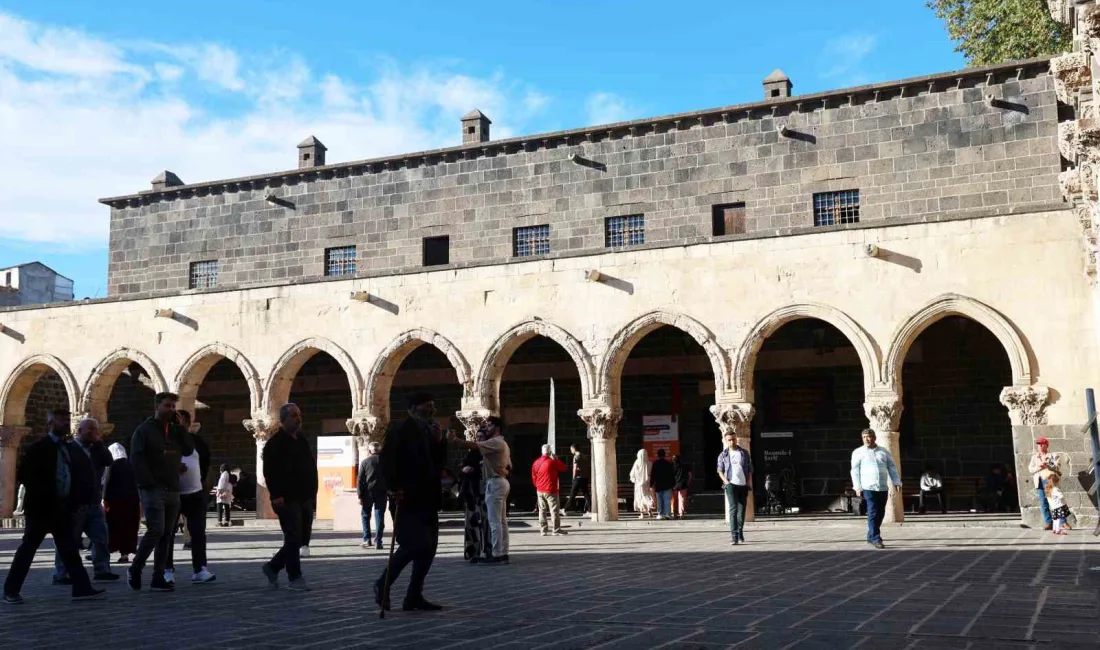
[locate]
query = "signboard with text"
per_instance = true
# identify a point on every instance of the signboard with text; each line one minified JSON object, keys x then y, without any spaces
{"x":660,"y":432}
{"x":336,"y":465}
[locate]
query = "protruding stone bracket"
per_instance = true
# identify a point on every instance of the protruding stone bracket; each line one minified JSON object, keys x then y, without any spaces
{"x":602,"y":421}
{"x":1027,"y":405}
{"x":734,"y":418}
{"x":472,"y":419}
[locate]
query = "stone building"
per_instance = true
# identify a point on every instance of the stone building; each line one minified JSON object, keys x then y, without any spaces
{"x":33,"y":283}
{"x":899,"y":255}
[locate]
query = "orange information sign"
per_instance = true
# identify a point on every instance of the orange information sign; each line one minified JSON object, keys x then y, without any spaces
{"x":660,"y":432}
{"x":335,"y":470}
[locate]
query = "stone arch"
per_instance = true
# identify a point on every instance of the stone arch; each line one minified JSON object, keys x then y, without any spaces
{"x":950,"y":304}
{"x":21,"y":381}
{"x":97,"y":390}
{"x":744,"y":363}
{"x":389,"y":361}
{"x":496,"y":359}
{"x":626,"y":338}
{"x":287,"y":367}
{"x":191,"y":374}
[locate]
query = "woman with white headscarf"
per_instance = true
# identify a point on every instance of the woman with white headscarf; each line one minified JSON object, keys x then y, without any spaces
{"x":639,"y":476}
{"x":121,"y":504}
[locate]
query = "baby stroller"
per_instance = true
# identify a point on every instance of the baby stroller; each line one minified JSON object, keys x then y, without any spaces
{"x":773,"y":495}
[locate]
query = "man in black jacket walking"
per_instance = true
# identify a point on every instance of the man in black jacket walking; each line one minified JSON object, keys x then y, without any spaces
{"x":156,"y":453}
{"x":90,"y":519}
{"x":291,"y":475}
{"x":58,"y":477}
{"x":371,"y":486}
{"x":411,"y":463}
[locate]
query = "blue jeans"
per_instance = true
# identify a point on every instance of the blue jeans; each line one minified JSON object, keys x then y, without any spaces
{"x":664,"y":503}
{"x":92,"y":521}
{"x":1043,"y":505}
{"x":376,"y":507}
{"x":876,"y":512}
{"x":736,"y":501}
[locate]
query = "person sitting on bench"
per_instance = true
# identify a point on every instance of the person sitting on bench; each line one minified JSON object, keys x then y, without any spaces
{"x":931,"y":483}
{"x":996,"y":484}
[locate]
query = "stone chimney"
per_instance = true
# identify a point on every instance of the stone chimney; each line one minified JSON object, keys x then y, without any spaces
{"x":777,"y":85}
{"x":166,"y":179}
{"x":311,"y":153}
{"x":475,"y":127}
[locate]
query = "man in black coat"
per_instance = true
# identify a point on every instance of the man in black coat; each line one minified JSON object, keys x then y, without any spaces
{"x":58,"y":477}
{"x":156,"y":453}
{"x":371,"y":486}
{"x":90,"y":519}
{"x":410,"y":462}
{"x":290,"y":472}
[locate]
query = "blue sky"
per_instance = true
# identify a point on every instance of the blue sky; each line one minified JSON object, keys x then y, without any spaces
{"x":96,"y":102}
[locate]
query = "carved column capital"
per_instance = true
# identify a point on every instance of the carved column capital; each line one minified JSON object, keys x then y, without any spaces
{"x":11,"y":436}
{"x":366,"y":427}
{"x":1027,"y":405}
{"x":602,"y":421}
{"x":1071,"y":73}
{"x":734,"y":418}
{"x":472,"y":419}
{"x":883,"y":411}
{"x":106,"y":429}
{"x":262,"y":426}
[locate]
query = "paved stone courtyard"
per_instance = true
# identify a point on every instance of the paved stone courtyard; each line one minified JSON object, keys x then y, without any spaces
{"x":668,"y":584}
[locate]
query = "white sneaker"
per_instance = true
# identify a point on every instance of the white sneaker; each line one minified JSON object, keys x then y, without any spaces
{"x":660,"y":517}
{"x":170,"y":576}
{"x":544,"y":533}
{"x":303,"y":552}
{"x":203,"y":576}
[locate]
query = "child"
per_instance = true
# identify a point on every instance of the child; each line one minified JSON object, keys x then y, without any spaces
{"x":224,"y":493}
{"x":1059,"y":511}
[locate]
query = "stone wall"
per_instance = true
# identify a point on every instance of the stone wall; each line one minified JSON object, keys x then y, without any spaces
{"x":130,"y":403}
{"x":912,"y":149}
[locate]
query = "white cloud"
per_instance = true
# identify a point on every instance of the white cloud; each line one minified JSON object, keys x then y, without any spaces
{"x":845,"y":57}
{"x":82,"y":118}
{"x":604,"y":108}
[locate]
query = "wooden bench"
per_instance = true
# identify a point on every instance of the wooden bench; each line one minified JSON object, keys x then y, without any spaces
{"x":958,"y":488}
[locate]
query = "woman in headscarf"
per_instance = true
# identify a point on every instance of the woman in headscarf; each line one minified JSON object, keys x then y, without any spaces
{"x":639,"y":476}
{"x":471,"y":491}
{"x":121,"y":504}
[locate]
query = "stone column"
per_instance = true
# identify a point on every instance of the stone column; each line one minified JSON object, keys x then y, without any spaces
{"x":262,"y":426}
{"x":105,"y":431}
{"x":10,"y":437}
{"x":883,"y":410}
{"x":1027,"y":406}
{"x":472,"y":419}
{"x":603,"y":428}
{"x":737,"y":418}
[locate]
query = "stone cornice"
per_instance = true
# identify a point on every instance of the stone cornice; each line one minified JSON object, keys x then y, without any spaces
{"x":756,"y":110}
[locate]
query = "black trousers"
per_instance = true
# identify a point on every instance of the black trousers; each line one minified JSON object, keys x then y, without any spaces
{"x":59,"y":524}
{"x":580,"y":485}
{"x":223,"y":512}
{"x":193,"y":510}
{"x":941,"y":496}
{"x":295,"y":518}
{"x":417,"y":531}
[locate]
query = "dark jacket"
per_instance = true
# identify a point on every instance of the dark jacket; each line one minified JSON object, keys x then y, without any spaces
{"x":371,"y":482}
{"x":38,"y":473}
{"x":663,"y":475}
{"x":290,"y":469}
{"x":469,"y":485}
{"x":410,"y":462}
{"x":100,"y":459}
{"x":121,"y":484}
{"x":156,"y":453}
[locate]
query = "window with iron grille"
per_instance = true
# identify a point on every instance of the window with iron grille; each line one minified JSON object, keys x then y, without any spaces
{"x":624,"y":231}
{"x":531,"y":240}
{"x":340,"y":260}
{"x":204,"y":275}
{"x":832,"y":208}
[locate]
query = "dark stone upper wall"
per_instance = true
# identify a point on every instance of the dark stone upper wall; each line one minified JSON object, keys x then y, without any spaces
{"x":918,"y":150}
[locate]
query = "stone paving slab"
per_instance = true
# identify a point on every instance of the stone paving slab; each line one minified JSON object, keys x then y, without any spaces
{"x":661,"y":586}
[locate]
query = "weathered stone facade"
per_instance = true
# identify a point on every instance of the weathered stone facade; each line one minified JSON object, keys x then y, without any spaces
{"x":958,"y":218}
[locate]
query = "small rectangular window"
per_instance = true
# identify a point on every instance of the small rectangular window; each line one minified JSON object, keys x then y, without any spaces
{"x":437,"y":250}
{"x":7,"y":278}
{"x":530,"y":240}
{"x":340,"y":260}
{"x":204,"y":275}
{"x":728,"y":219}
{"x":624,"y":231}
{"x":833,"y":208}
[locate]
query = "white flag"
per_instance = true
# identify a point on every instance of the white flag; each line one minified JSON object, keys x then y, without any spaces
{"x":551,"y":433}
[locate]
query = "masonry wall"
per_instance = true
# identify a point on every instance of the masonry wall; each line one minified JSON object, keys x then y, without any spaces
{"x":130,"y":403}
{"x":937,"y":149}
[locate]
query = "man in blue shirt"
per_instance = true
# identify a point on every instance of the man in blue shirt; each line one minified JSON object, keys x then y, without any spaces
{"x":735,"y":470}
{"x":873,"y":472}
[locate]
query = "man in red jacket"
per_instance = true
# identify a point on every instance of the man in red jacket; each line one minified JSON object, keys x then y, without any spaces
{"x":544,"y":474}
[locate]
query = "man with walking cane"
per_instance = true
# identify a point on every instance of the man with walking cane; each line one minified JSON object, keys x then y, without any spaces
{"x":410,"y":461}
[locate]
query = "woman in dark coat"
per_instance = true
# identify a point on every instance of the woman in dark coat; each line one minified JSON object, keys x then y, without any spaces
{"x":470,"y":492}
{"x":121,"y":504}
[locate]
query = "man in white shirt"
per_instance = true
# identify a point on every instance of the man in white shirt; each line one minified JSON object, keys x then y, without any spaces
{"x":873,"y":472}
{"x":496,"y":464}
{"x":931,"y":483}
{"x":192,"y":509}
{"x":735,"y":470}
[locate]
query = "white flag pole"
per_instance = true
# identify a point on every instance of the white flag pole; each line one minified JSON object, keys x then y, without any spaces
{"x":551,"y":424}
